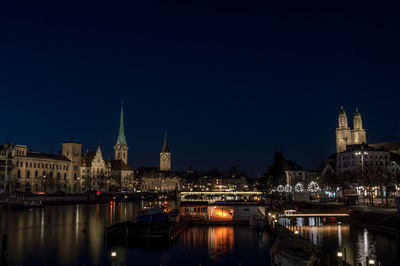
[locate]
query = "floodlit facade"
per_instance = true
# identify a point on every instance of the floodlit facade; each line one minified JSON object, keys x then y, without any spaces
{"x":346,"y":136}
{"x":28,"y":171}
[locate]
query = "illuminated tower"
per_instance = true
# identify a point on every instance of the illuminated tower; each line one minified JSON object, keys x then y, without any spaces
{"x":343,"y":132}
{"x":358,"y":134}
{"x":121,"y":147}
{"x":165,"y":156}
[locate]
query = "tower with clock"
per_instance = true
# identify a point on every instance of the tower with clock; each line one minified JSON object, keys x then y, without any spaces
{"x":165,"y":156}
{"x":121,"y":147}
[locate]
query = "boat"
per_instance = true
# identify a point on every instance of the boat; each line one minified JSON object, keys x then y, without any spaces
{"x":21,"y":205}
{"x":151,"y":224}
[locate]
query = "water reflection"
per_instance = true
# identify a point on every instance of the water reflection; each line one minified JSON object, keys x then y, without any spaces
{"x":73,"y":235}
{"x":358,"y":244}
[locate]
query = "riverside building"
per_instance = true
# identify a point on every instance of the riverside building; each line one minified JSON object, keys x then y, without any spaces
{"x":70,"y":171}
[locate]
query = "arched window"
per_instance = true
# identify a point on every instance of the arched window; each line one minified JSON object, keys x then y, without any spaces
{"x":19,"y":173}
{"x":65,"y":176}
{"x":75,"y":177}
{"x":28,"y":174}
{"x":36,"y":174}
{"x":58,"y":175}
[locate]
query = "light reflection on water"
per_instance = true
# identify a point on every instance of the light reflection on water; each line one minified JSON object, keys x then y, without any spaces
{"x":359,"y":243}
{"x":73,"y":235}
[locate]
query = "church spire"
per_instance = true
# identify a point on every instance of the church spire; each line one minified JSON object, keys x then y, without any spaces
{"x":165,"y":146}
{"x":121,"y":135}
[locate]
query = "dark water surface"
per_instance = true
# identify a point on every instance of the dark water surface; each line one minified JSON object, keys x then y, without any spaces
{"x":359,"y":243}
{"x":73,"y":235}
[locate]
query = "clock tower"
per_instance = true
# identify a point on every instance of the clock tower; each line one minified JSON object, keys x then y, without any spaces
{"x":121,"y":147}
{"x":165,"y":156}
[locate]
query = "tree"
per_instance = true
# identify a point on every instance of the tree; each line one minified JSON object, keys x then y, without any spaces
{"x":275,"y":174}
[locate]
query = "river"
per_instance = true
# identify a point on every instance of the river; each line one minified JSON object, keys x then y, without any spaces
{"x":357,"y":244}
{"x":73,"y":235}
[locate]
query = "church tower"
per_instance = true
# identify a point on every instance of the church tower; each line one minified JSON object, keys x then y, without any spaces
{"x":165,"y":156}
{"x":121,"y":147}
{"x":358,"y":133}
{"x":343,"y":132}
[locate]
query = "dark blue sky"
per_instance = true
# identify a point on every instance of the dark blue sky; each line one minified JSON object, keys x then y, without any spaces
{"x":230,"y":81}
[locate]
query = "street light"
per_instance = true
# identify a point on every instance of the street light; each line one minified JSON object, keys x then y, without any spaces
{"x":371,"y":262}
{"x":362,"y":154}
{"x":340,"y":254}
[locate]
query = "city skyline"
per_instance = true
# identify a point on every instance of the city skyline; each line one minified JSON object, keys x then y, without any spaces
{"x":108,"y":151}
{"x":230,"y":83}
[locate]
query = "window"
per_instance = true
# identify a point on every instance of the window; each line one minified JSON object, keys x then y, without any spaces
{"x":19,"y":173}
{"x":36,"y":174}
{"x":65,"y":176}
{"x":28,"y":174}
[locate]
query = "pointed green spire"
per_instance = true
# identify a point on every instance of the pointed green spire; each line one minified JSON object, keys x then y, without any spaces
{"x":165,"y":146}
{"x":121,"y":135}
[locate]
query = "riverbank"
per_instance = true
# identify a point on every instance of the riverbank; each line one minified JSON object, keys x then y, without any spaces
{"x":377,"y":220}
{"x":290,"y":248}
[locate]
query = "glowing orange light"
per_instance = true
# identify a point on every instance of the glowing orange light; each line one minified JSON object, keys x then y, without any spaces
{"x":222,"y":214}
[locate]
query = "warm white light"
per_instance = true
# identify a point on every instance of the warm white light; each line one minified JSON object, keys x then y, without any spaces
{"x":269,"y":214}
{"x":113,"y":254}
{"x":296,"y":232}
{"x":371,"y":261}
{"x":340,"y":254}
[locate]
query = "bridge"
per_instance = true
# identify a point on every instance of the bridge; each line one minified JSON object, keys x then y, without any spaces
{"x":210,"y":194}
{"x":204,"y":193}
{"x":293,"y":213}
{"x":316,"y":215}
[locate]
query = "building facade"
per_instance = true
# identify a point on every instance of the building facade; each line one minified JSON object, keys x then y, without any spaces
{"x":346,"y":136}
{"x":362,"y":158}
{"x":95,"y":171}
{"x":27,"y":171}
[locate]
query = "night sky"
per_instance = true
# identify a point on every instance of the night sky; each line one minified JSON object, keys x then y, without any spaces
{"x":230,"y":81}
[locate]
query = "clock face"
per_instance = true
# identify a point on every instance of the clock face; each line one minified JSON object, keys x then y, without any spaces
{"x":118,"y":147}
{"x":164,"y":157}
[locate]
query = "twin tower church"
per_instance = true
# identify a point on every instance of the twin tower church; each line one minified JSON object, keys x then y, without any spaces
{"x":121,"y":147}
{"x":346,"y":136}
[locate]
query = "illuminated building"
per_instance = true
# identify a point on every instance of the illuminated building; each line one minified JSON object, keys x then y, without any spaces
{"x":28,"y":171}
{"x":165,"y":156}
{"x":346,"y":136}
